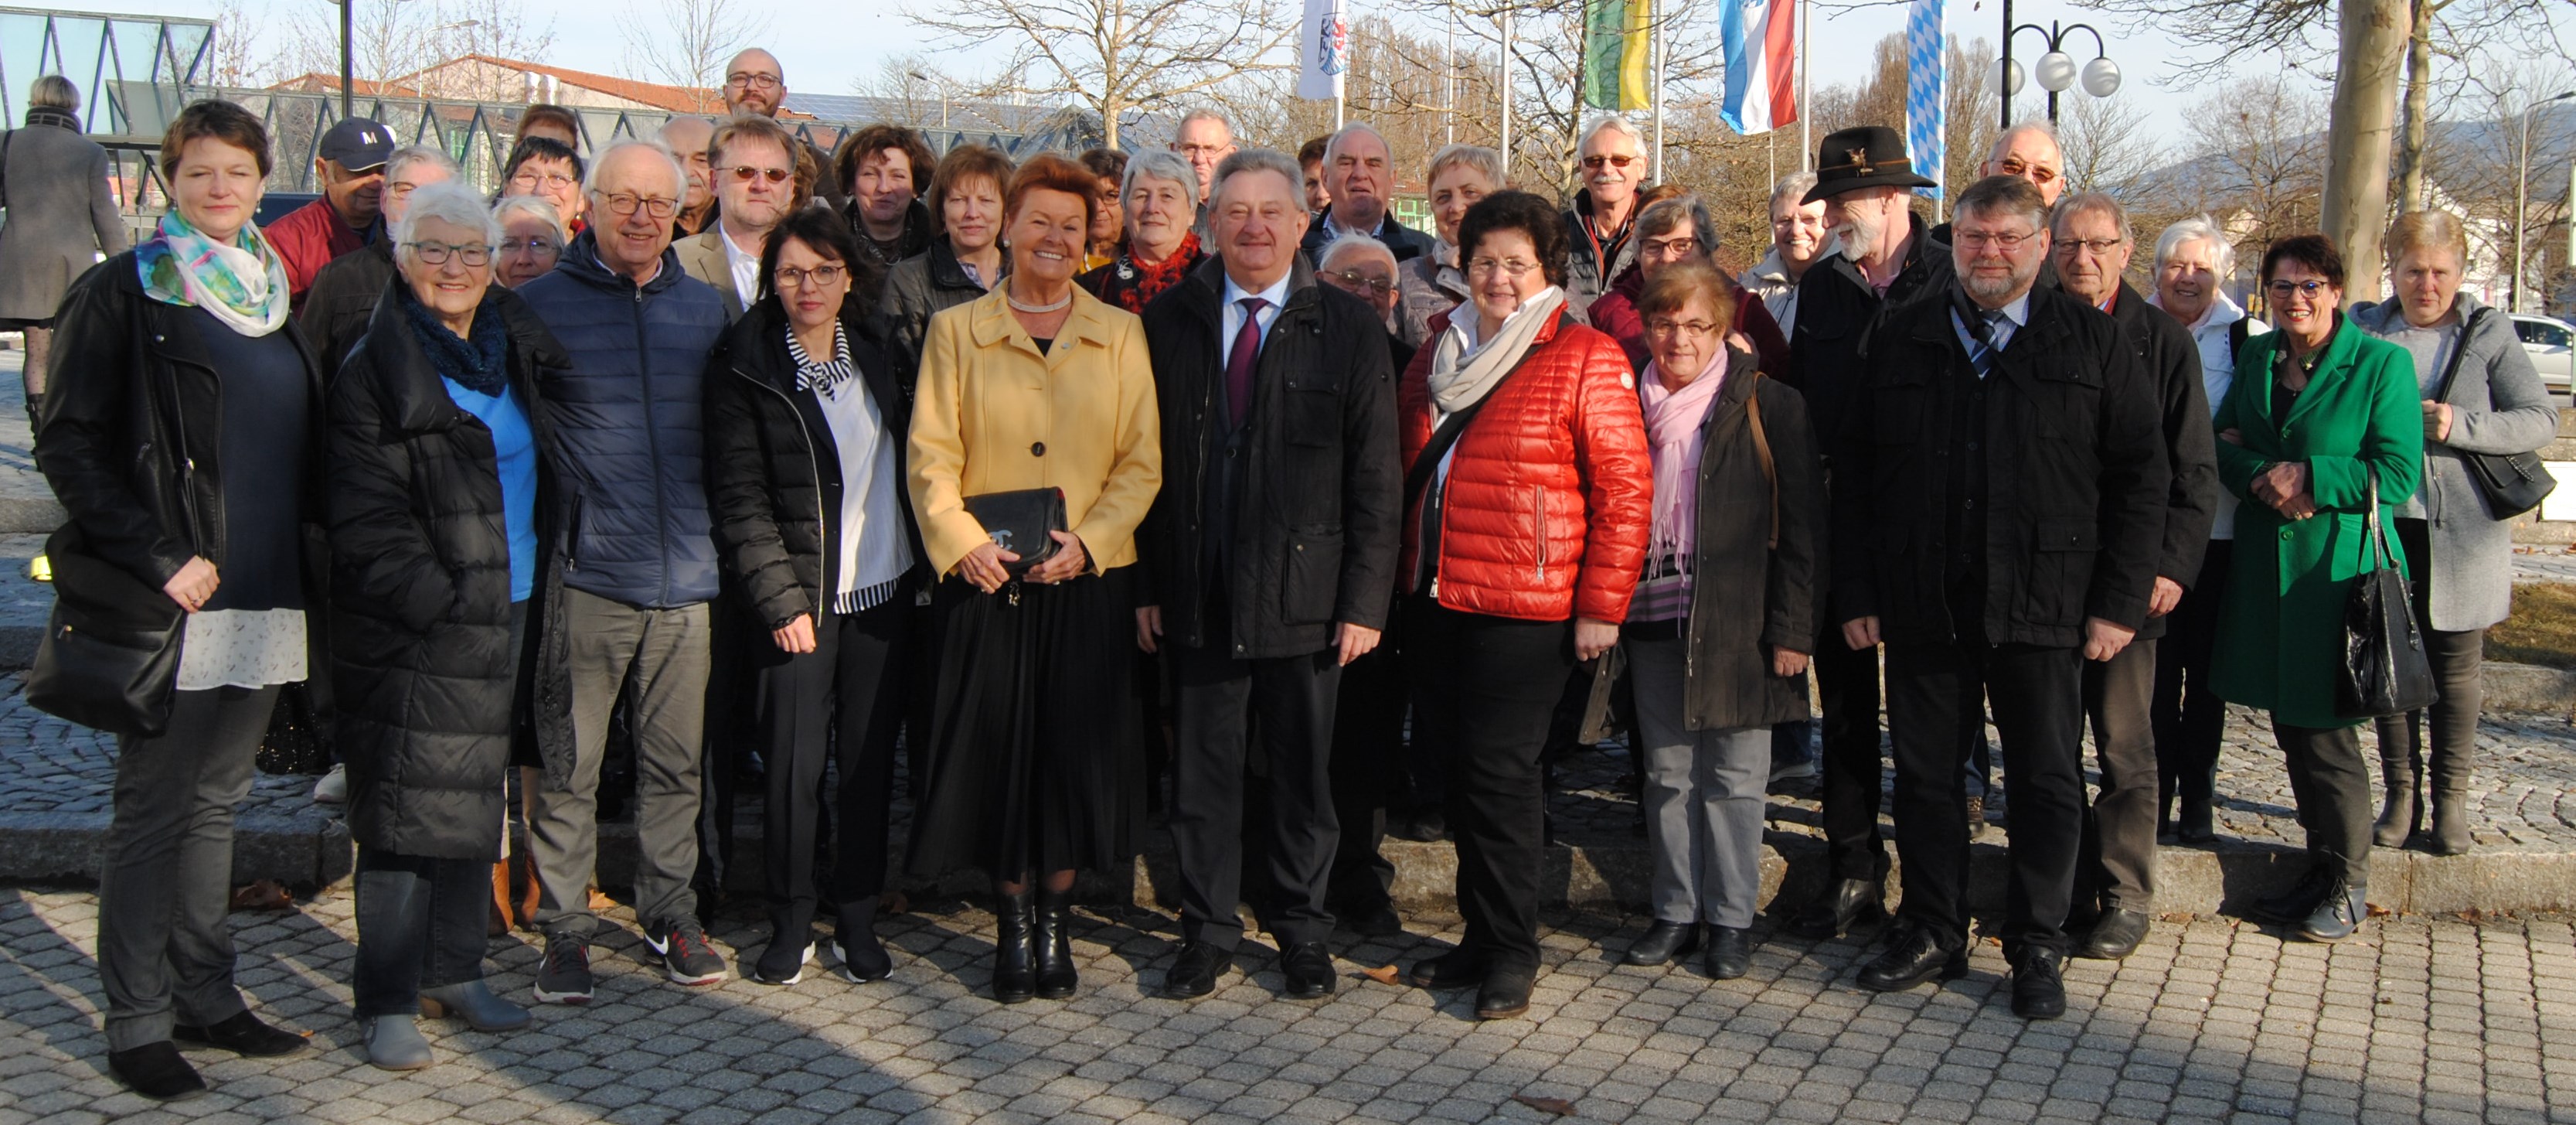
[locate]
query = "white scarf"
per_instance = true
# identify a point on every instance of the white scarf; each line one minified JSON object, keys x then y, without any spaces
{"x":1461,"y":376}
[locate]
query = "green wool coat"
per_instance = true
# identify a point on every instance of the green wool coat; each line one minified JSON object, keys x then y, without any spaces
{"x":2280,"y":636}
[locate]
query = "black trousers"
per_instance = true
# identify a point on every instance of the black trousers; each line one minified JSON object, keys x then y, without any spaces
{"x":1847,"y":686}
{"x":1368,"y":751}
{"x":738,"y":646}
{"x":1936,"y":699}
{"x":1220,"y":701}
{"x":2119,"y":860}
{"x":2458,"y":658}
{"x":2189,"y":719}
{"x":421,"y":924}
{"x":843,"y":702}
{"x":1483,"y":688}
{"x":2331,"y":784}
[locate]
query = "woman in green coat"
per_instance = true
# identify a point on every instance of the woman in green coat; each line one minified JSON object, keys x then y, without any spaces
{"x":2319,"y":409}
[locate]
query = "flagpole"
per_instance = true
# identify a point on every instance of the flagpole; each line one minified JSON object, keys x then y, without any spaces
{"x":1507,"y":93}
{"x":1655,"y":17}
{"x":1806,"y":99}
{"x":1449,"y":79}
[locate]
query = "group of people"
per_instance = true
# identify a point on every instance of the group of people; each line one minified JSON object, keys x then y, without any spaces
{"x":1006,"y":463}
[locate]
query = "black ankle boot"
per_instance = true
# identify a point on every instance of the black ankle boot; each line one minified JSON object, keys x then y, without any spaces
{"x":2450,"y":822}
{"x":1014,"y":971}
{"x":1053,"y":945}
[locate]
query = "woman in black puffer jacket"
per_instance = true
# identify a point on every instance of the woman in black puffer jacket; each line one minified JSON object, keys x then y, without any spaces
{"x":806,"y":421}
{"x":438,"y":444}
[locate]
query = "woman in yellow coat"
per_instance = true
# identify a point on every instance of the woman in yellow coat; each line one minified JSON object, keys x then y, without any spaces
{"x":1032,"y":772}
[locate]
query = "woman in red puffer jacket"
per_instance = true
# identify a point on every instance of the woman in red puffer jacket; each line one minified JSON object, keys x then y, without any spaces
{"x":1527,"y":489}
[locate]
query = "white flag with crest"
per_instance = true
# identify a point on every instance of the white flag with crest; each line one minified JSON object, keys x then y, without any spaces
{"x":1324,"y":41}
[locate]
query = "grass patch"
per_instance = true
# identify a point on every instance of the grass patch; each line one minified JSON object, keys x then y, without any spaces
{"x":2542,"y":629}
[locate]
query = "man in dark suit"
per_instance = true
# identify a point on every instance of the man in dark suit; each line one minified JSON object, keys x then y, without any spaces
{"x":1268,"y":558}
{"x":1359,"y":173}
{"x":2090,"y":242}
{"x":2004,"y":460}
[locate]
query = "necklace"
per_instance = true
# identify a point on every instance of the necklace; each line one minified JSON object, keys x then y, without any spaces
{"x":1037,"y":310}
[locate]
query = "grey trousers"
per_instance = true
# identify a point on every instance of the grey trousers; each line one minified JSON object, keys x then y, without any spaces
{"x":1703,"y":798}
{"x":2119,"y":861}
{"x":165,"y":953}
{"x":660,"y":656}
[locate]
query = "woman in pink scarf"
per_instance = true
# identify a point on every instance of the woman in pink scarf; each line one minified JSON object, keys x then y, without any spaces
{"x":1739,"y":499}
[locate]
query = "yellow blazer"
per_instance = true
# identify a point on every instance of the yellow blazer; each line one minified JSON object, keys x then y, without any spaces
{"x":992,"y":415}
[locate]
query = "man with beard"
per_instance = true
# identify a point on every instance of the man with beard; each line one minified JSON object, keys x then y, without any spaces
{"x":2004,"y":459}
{"x":756,"y":84}
{"x":1877,"y":256}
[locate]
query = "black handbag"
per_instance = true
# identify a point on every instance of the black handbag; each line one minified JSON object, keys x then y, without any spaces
{"x":2513,"y":483}
{"x":109,"y":658}
{"x":2385,"y":668}
{"x":1019,"y":521}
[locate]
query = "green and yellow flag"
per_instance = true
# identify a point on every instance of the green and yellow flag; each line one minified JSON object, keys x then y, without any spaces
{"x":1617,"y":45}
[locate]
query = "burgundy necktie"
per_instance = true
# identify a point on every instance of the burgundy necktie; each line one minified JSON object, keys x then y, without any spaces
{"x":1238,"y":362}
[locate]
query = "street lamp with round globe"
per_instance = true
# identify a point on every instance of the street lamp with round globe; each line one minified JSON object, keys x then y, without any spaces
{"x":2101,"y":78}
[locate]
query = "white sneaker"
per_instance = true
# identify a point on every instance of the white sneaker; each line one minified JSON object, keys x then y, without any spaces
{"x":333,"y":789}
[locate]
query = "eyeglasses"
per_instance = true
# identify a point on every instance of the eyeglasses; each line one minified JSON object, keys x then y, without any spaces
{"x":399,"y":189}
{"x":1980,"y":239}
{"x":1657,"y":248}
{"x":2281,"y":290}
{"x":2099,"y":246}
{"x":540,"y":245}
{"x":1696,"y":329}
{"x":534,"y":180}
{"x":1377,"y":285}
{"x":821,"y":277}
{"x":1509,"y":267}
{"x":745,"y":173}
{"x":1202,"y":150}
{"x":752,"y":81}
{"x":1616,"y":161}
{"x":2035,"y":173}
{"x":436,"y":253}
{"x":624,"y":204}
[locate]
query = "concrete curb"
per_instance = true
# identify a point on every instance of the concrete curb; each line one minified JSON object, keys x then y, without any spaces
{"x":2530,"y":688}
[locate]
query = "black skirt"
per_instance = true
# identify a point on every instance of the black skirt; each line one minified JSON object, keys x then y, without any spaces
{"x":1034,"y":764}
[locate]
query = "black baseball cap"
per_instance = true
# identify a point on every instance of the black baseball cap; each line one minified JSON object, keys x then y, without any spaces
{"x":357,"y":144}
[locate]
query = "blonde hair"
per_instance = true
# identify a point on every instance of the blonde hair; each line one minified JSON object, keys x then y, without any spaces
{"x":55,"y":91}
{"x":2417,"y":231}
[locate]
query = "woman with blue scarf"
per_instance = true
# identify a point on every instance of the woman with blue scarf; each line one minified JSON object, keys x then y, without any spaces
{"x":438,"y":446}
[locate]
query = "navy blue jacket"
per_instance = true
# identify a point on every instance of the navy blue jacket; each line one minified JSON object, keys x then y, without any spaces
{"x":630,"y":439}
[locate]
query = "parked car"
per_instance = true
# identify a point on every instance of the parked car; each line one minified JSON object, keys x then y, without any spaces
{"x":2551,"y":343}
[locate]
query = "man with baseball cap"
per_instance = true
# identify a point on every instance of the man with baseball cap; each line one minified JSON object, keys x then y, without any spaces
{"x":350,"y":166}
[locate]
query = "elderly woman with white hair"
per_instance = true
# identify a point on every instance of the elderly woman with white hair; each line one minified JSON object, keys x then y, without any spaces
{"x":1433,"y":284}
{"x":2194,"y":263}
{"x":532,"y":239}
{"x":1160,"y":194}
{"x":437,"y":448}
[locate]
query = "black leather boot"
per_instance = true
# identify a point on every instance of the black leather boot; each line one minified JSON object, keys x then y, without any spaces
{"x":2399,"y":814}
{"x":1053,"y":945}
{"x":1849,"y":902}
{"x":2450,"y":822}
{"x":1015,"y":977}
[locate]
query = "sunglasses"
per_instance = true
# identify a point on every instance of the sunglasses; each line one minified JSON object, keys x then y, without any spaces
{"x":745,"y":173}
{"x":1620,"y":161}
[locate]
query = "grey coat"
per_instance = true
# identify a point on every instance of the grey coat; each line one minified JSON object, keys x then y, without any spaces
{"x":62,"y":217}
{"x":2498,"y":406}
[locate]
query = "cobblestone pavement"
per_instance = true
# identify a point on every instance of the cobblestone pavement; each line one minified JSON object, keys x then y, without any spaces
{"x":2418,"y":1020}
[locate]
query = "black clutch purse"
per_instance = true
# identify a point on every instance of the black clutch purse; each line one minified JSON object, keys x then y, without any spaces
{"x":109,"y":659}
{"x":1019,"y":521}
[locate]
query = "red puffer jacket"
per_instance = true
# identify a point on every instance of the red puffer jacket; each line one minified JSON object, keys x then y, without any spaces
{"x":1549,"y":489}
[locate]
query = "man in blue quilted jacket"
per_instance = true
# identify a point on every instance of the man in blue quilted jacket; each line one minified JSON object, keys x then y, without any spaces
{"x":630,"y":568}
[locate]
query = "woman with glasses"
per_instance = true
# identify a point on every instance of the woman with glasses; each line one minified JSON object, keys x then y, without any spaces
{"x":965,"y":257}
{"x":2323,"y":420}
{"x":1523,"y":540}
{"x":437,"y":447}
{"x":1669,"y":232}
{"x":532,"y":239}
{"x":1160,"y":197}
{"x":549,"y":170}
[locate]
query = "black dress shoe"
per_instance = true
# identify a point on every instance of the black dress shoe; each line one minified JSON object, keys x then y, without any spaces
{"x":2039,"y":985}
{"x":242,"y":1034}
{"x":1505,"y":993}
{"x":1457,"y":968}
{"x":1915,"y":960}
{"x":1662,"y":942}
{"x":1730,"y":953}
{"x":1848,"y":903}
{"x":1193,"y":972}
{"x":1421,"y":828}
{"x":2293,"y":906}
{"x":1377,"y":919}
{"x":1309,"y":969}
{"x":2117,"y":935}
{"x":156,"y":1071}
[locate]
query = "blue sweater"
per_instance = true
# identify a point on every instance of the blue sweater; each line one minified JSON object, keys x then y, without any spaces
{"x":628,"y":431}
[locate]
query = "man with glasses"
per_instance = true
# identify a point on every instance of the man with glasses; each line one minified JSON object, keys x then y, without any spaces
{"x":633,"y":550}
{"x":1613,"y":165}
{"x":1359,"y":175}
{"x":753,"y":163}
{"x":2028,"y":151}
{"x":755,"y":84}
{"x":2004,"y":459}
{"x":344,"y":293}
{"x":349,"y":165}
{"x":1204,"y":138}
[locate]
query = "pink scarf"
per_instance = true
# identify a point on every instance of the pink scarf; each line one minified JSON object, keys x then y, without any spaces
{"x":1673,"y":433}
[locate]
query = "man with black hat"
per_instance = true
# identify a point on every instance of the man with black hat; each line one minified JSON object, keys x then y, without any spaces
{"x":2004,"y":457}
{"x":1876,"y":255}
{"x":350,"y":166}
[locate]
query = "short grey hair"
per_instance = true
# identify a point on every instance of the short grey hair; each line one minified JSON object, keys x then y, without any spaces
{"x":53,"y":91}
{"x":447,"y":202}
{"x":1612,"y":122}
{"x":1202,"y":115}
{"x":1161,"y":164}
{"x":1256,"y":160}
{"x":404,"y":158}
{"x":1478,"y":157}
{"x":1353,"y":243}
{"x":2091,"y":201}
{"x":1333,"y":147}
{"x":2003,"y":140}
{"x":679,"y":176}
{"x":2198,"y":228}
{"x":1793,"y":186}
{"x":536,"y":205}
{"x":1665,"y":214}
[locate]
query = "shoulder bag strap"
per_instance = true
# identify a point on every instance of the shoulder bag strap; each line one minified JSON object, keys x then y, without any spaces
{"x":2459,"y":347}
{"x":1446,"y":437}
{"x":1762,"y":450}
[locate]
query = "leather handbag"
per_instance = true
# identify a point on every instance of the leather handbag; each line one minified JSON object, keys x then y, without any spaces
{"x":1019,"y":521}
{"x":2385,"y":668}
{"x":109,"y":658}
{"x":2513,"y":483}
